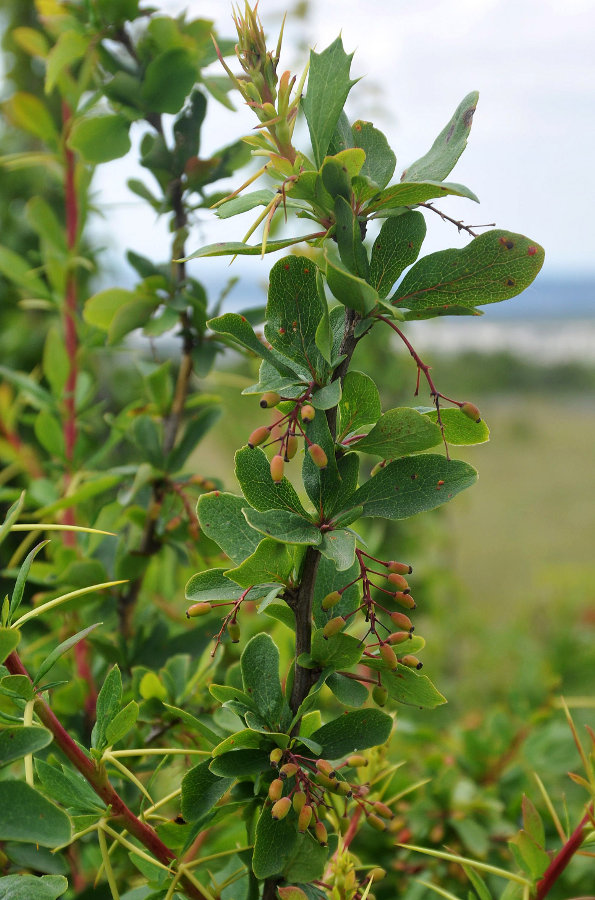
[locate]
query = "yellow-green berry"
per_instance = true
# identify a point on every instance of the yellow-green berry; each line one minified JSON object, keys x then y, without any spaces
{"x":333,"y":626}
{"x":270,"y":398}
{"x":399,"y":568}
{"x":281,"y":808}
{"x":375,"y":821}
{"x":198,"y":609}
{"x":275,"y":756}
{"x":276,"y":789}
{"x":379,"y":695}
{"x":304,"y":818}
{"x":398,"y":581}
{"x":319,"y":457}
{"x":411,"y":661}
{"x":233,"y":630}
{"x":277,"y":464}
{"x":331,"y":600}
{"x":299,"y":801}
{"x":389,"y":656}
{"x":307,"y":413}
{"x":321,"y":833}
{"x":471,"y":411}
{"x":259,"y":436}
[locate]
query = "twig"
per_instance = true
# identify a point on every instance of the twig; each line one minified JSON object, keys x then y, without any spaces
{"x":458,"y":222}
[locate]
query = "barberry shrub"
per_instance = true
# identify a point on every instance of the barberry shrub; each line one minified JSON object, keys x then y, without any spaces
{"x":293,"y":739}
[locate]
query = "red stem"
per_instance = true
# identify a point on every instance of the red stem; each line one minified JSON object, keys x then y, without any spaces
{"x":563,"y":857}
{"x":100,"y":783}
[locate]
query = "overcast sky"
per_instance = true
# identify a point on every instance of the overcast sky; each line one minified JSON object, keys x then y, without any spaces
{"x":530,"y":154}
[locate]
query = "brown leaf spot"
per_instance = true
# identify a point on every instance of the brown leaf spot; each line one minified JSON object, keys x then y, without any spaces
{"x":468,"y":117}
{"x":410,"y":245}
{"x":281,"y":331}
{"x":286,"y":267}
{"x":506,"y":243}
{"x":414,"y":476}
{"x":243,"y":318}
{"x":531,"y":251}
{"x":357,"y":127}
{"x":439,"y":485}
{"x":510,"y":282}
{"x":450,"y":132}
{"x":306,"y":271}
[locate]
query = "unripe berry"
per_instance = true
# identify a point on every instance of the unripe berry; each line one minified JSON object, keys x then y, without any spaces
{"x":307,"y":413}
{"x":321,"y":833}
{"x":471,"y":411}
{"x":380,"y":695}
{"x":389,"y":656}
{"x":331,"y":600}
{"x":399,"y":637}
{"x":277,"y":464}
{"x":383,"y":810}
{"x":288,"y":770}
{"x":399,"y":568}
{"x":319,"y":457}
{"x":259,"y":436}
{"x":281,"y":808}
{"x":375,"y":821}
{"x":276,"y":790}
{"x":304,"y":818}
{"x":324,"y":766}
{"x":402,"y":621}
{"x":343,"y":788}
{"x":333,"y":626}
{"x":357,"y":761}
{"x":412,"y":661}
{"x":275,"y":756}
{"x":233,"y":630}
{"x":268,"y":399}
{"x":198,"y":609}
{"x":344,"y":823}
{"x":376,"y":874}
{"x":299,"y":801}
{"x":405,"y":599}
{"x":291,"y":447}
{"x":398,"y":581}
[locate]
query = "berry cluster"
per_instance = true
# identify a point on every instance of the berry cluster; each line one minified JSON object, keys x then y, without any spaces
{"x":230,"y":621}
{"x":288,"y":430}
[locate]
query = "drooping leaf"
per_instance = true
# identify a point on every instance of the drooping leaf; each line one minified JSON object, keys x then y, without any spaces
{"x":493,"y":267}
{"x":351,"y":291}
{"x":271,"y":562}
{"x":328,"y":86}
{"x":221,"y":518}
{"x":347,"y":690}
{"x":17,"y":270}
{"x":32,"y":887}
{"x":28,"y":112}
{"x":459,"y":429}
{"x":108,"y":705}
{"x":396,"y":247}
{"x":399,"y":432}
{"x":359,"y":404}
{"x":353,"y":731}
{"x":38,"y":821}
{"x":412,"y":485}
{"x":405,"y":685}
{"x":16,"y":742}
{"x":261,"y":492}
{"x":274,"y":844}
{"x":260,"y":675}
{"x":442,"y":156}
{"x":100,"y":139}
{"x":282,"y":525}
{"x":380,"y":160}
{"x":339,"y":546}
{"x":349,"y":239}
{"x":201,"y":790}
{"x":240,"y":330}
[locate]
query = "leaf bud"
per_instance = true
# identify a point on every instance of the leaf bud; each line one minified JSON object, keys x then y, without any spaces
{"x":319,"y":457}
{"x":331,"y":600}
{"x":291,"y":447}
{"x":277,"y":463}
{"x":333,"y":626}
{"x":375,"y":821}
{"x":276,"y":789}
{"x":412,"y":661}
{"x":275,"y":756}
{"x":379,"y":695}
{"x":357,"y":761}
{"x":399,"y":568}
{"x":471,"y":411}
{"x":288,"y":770}
{"x":198,"y":609}
{"x":321,"y":833}
{"x":233,"y":630}
{"x":307,"y":413}
{"x":405,"y":599}
{"x":402,"y":621}
{"x":389,"y":656}
{"x":383,"y":810}
{"x":258,"y":436}
{"x":304,"y":818}
{"x":281,"y":808}
{"x":376,"y":874}
{"x":324,"y":766}
{"x":269,"y":398}
{"x":399,"y":637}
{"x":398,"y":581}
{"x":299,"y":801}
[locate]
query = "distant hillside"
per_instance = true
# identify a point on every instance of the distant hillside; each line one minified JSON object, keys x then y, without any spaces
{"x":550,"y":297}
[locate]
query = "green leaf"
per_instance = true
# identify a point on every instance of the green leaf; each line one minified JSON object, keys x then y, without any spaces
{"x":407,"y":686}
{"x":410,"y":193}
{"x":339,"y":546}
{"x":359,"y":404}
{"x":212,"y":584}
{"x":193,"y":724}
{"x":261,"y":492}
{"x":100,"y":309}
{"x":49,"y":433}
{"x":478,"y":883}
{"x":196,"y":428}
{"x":532,"y":822}
{"x":294,"y":309}
{"x":237,"y":763}
{"x":19,"y":587}
{"x":328,"y":579}
{"x":61,"y":649}
{"x":17,"y":270}
{"x":21,"y":740}
{"x":17,"y":686}
{"x":99,"y":139}
{"x":46,"y":224}
{"x":349,"y":239}
{"x":396,"y":247}
{"x":29,"y":113}
{"x":108,"y":705}
{"x":351,"y":291}
{"x":307,"y":861}
{"x":448,"y":146}
{"x":335,"y":179}
{"x":352,"y":732}
{"x":322,"y":485}
{"x":533,"y":859}
{"x":282,"y":613}
{"x":240,"y":330}
{"x":493,"y":267}
{"x":274,"y":844}
{"x":459,"y":429}
{"x":399,"y":432}
{"x":122,"y":723}
{"x":323,"y":336}
{"x":244,"y":203}
{"x":328,"y":396}
{"x":328,"y":87}
{"x":380,"y":160}
{"x":201,"y":790}
{"x":168,"y":80}
{"x":69,"y":48}
{"x":412,"y":485}
{"x":130,"y":316}
{"x":68,"y":788}
{"x":32,"y":887}
{"x":236,"y":248}
{"x":38,"y":821}
{"x":271,"y":562}
{"x":221,"y":519}
{"x":260,"y":676}
{"x":9,"y":641}
{"x":347,"y":690}
{"x":55,"y":362}
{"x":341,"y":651}
{"x":282,"y":525}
